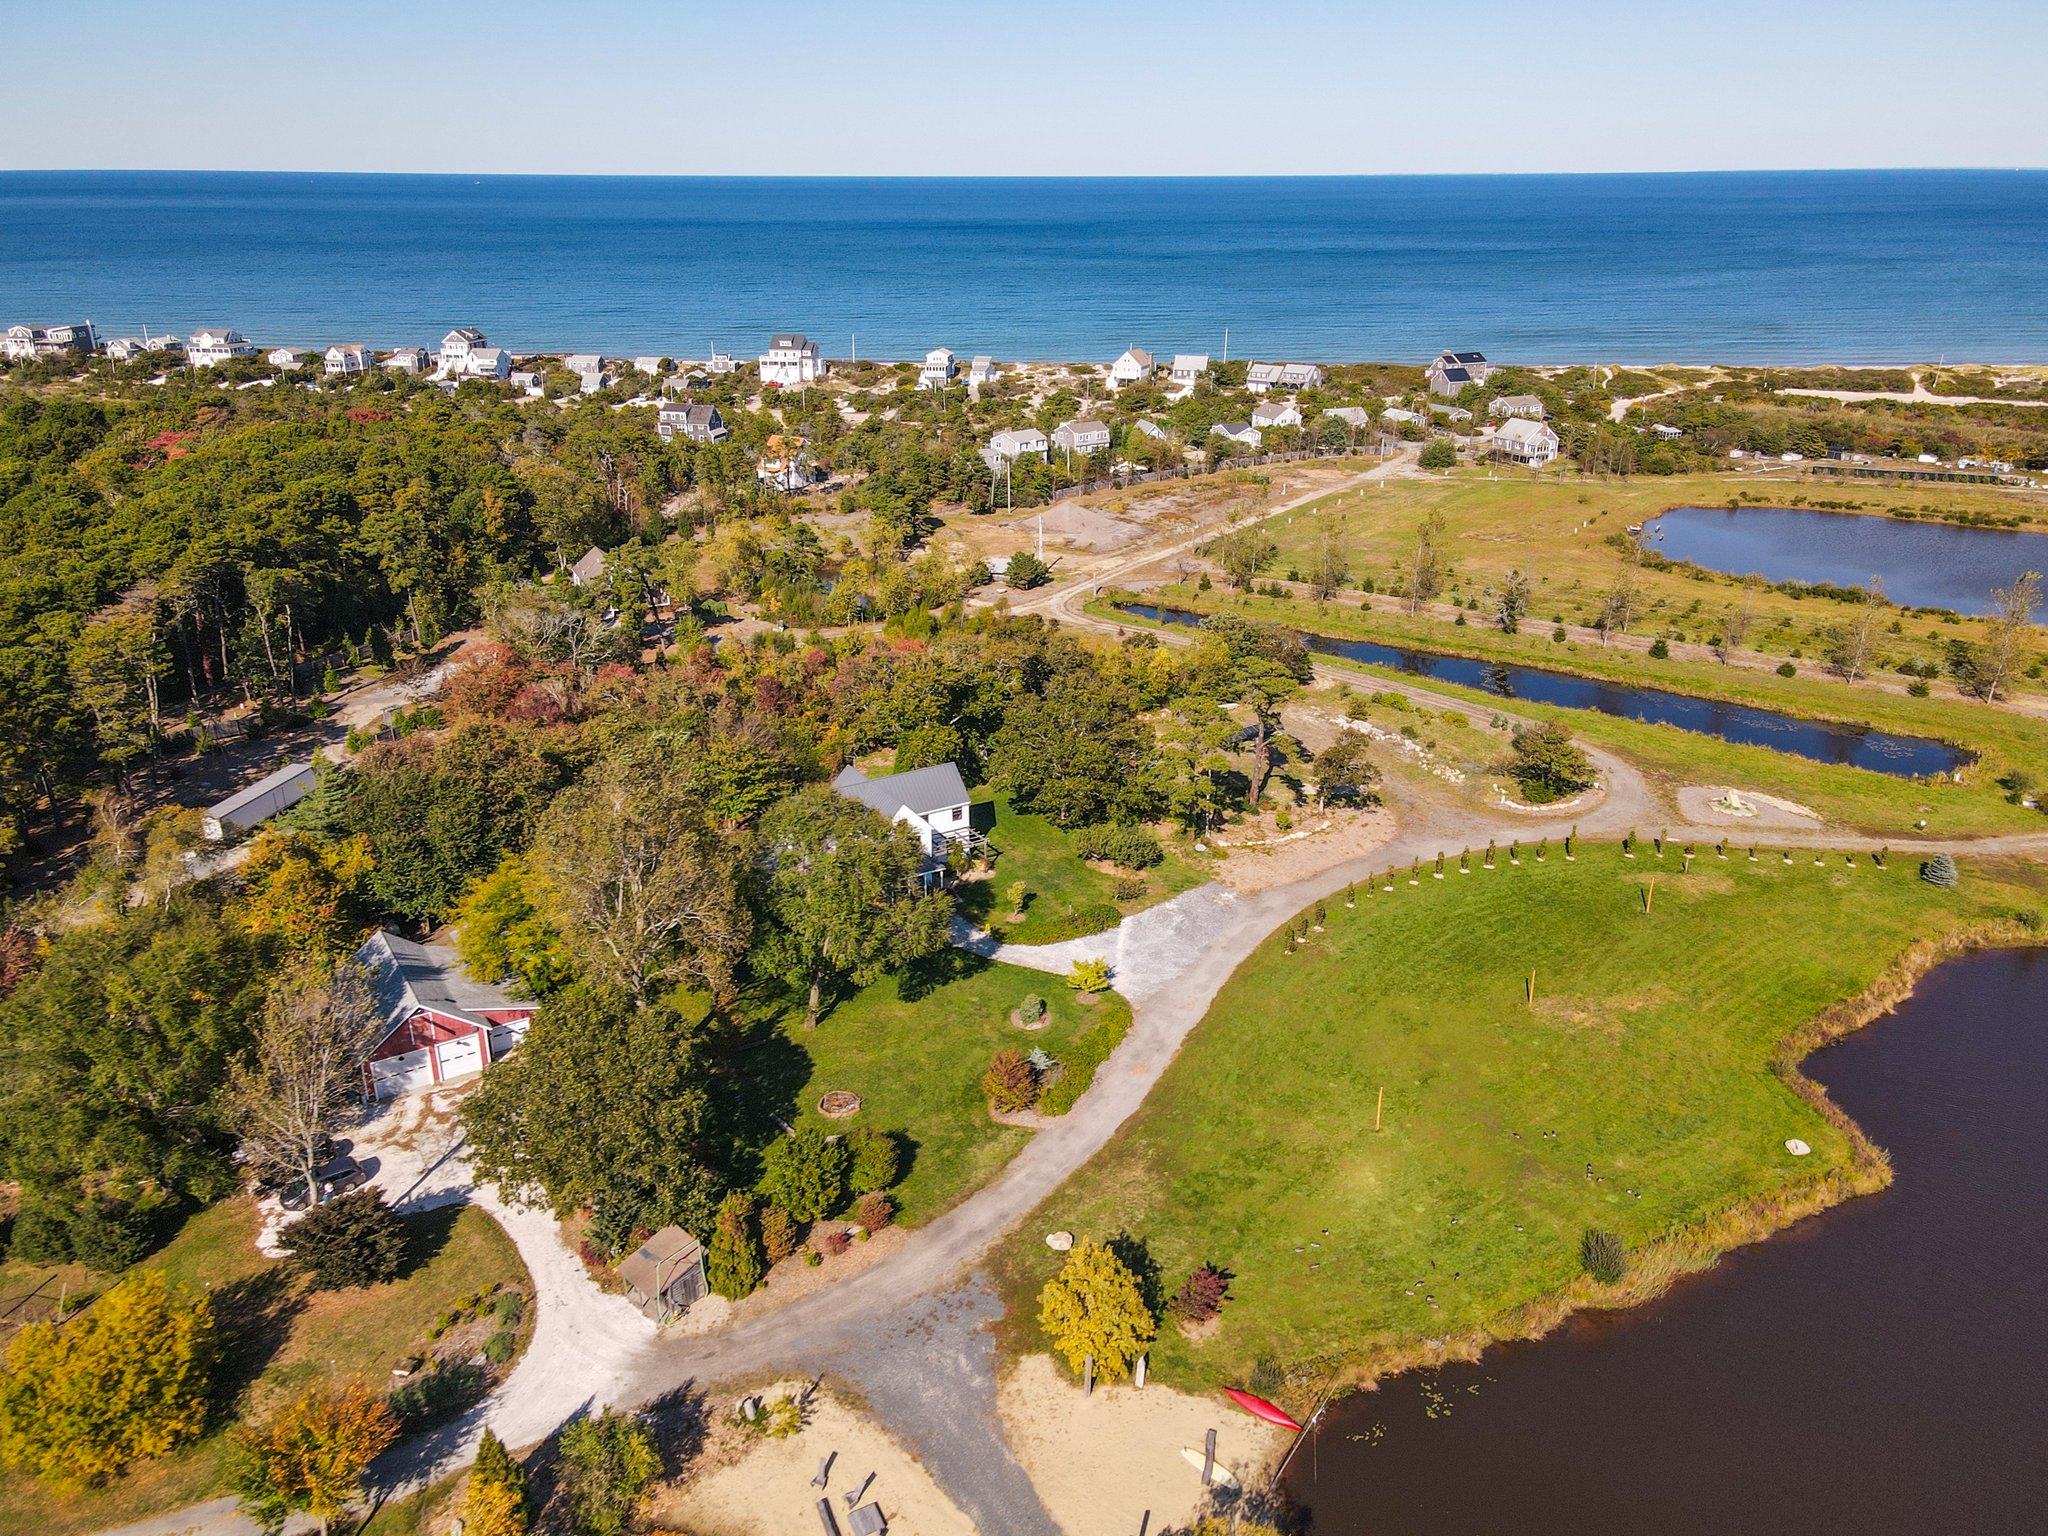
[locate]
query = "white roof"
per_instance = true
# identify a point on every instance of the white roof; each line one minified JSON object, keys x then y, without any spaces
{"x":920,"y":791}
{"x":284,"y":776}
{"x":1521,"y":429}
{"x":1190,"y":362}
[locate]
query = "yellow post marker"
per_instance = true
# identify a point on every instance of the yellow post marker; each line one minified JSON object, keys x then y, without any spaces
{"x":1379,"y":1109}
{"x":1649,"y":894}
{"x":1529,"y":990}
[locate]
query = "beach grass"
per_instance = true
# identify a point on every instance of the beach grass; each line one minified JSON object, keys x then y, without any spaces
{"x":1644,"y":1091}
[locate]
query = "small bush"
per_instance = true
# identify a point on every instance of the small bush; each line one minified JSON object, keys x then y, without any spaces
{"x":1786,"y":669}
{"x":874,"y":1159}
{"x":1009,"y":1084}
{"x":778,"y":1234}
{"x":1940,"y":870}
{"x":354,"y":1241}
{"x":1133,"y":847}
{"x":1918,"y":688}
{"x":1603,"y":1255}
{"x":1032,"y":1009}
{"x":875,"y":1211}
{"x":836,"y":1241}
{"x":1201,"y":1295}
{"x":1660,"y":650}
{"x":1089,"y":976}
{"x":813,"y":1258}
{"x":437,"y":1395}
{"x":499,"y":1346}
{"x":509,"y":1308}
{"x":1128,"y":887}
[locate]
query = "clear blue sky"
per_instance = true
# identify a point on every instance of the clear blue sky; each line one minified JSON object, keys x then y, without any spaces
{"x":966,"y":87}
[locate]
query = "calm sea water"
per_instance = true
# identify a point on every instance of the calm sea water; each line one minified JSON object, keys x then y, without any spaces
{"x":1765,"y":267}
{"x":1875,"y":1370}
{"x":1923,"y":565}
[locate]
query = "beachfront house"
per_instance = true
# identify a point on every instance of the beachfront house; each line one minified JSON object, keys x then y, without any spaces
{"x":410,"y":360}
{"x":215,"y":344}
{"x":1014,"y":441}
{"x":1240,"y":432}
{"x":346,"y":358}
{"x":1134,"y":364}
{"x":1522,"y":441}
{"x":691,"y":421}
{"x":1504,"y":406}
{"x":1080,"y":436}
{"x":254,"y":804}
{"x":1449,"y":372}
{"x":24,"y":342}
{"x":932,"y":802}
{"x":456,"y":348}
{"x":589,"y":370}
{"x":982,"y":370}
{"x":1187,"y":371}
{"x":783,"y":465}
{"x":125,"y":349}
{"x":528,"y":382}
{"x":938,"y":369}
{"x":791,"y":359}
{"x":1268,"y":414}
{"x":651,"y":366}
{"x":487,"y":363}
{"x":1261,"y":378}
{"x":282,"y":357}
{"x":722,"y":362}
{"x":439,"y":1023}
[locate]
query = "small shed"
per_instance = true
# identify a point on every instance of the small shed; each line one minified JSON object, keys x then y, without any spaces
{"x":262,"y":800}
{"x":665,"y":1274}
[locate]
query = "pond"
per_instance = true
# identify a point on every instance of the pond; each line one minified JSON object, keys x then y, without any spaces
{"x":1924,"y":565}
{"x":1823,"y":741}
{"x":1874,"y":1369}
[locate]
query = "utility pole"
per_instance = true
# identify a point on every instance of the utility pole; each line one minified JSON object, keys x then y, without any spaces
{"x":1226,"y":343}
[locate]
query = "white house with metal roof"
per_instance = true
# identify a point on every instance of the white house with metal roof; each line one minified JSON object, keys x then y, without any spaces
{"x":791,"y":358}
{"x":932,"y":802}
{"x":215,"y":344}
{"x":1134,"y":364}
{"x":938,"y":369}
{"x":1526,"y":442}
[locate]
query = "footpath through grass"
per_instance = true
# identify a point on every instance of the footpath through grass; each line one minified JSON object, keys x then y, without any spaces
{"x":277,"y":1336}
{"x":1637,"y":1094}
{"x":1877,"y":803}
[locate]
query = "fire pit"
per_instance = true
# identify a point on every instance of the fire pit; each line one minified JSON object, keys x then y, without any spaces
{"x":839,"y":1104}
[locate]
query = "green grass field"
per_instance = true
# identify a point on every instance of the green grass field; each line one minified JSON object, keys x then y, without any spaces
{"x":1875,"y":803}
{"x":1041,"y":854}
{"x":1554,"y":527}
{"x":277,"y":1336}
{"x":1646,"y":1060}
{"x":914,"y":1049}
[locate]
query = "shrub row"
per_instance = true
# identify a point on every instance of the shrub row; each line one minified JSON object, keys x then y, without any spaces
{"x":1123,"y":843}
{"x":1092,"y":917}
{"x":1082,"y":1056}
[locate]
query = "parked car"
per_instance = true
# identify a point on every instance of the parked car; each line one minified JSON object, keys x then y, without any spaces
{"x":332,"y":1181}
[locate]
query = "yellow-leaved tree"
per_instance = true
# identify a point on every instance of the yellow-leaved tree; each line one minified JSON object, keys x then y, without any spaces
{"x":494,"y":1504}
{"x":1093,"y":1307}
{"x":309,"y":1457}
{"x":123,"y":1381}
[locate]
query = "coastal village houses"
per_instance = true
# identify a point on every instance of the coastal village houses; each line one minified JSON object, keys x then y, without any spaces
{"x":215,"y":344}
{"x":439,"y":1024}
{"x":1013,"y":441}
{"x":938,"y":369}
{"x":282,"y":357}
{"x":1187,"y":371}
{"x":346,"y":359}
{"x":125,"y":349}
{"x":1261,"y":378}
{"x":464,"y":355}
{"x":1276,"y":413}
{"x":409,"y":360}
{"x":1080,"y":436}
{"x":1522,"y":441}
{"x":1242,"y":432}
{"x":1135,"y":364}
{"x":24,"y":342}
{"x":783,"y":465}
{"x":1530,"y":406}
{"x":981,"y":371}
{"x":686,"y":419}
{"x":791,"y":359}
{"x":1450,"y":372}
{"x":589,"y":567}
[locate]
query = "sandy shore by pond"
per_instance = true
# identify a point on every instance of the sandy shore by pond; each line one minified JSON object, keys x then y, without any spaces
{"x":744,"y":1484}
{"x":1099,"y":1463}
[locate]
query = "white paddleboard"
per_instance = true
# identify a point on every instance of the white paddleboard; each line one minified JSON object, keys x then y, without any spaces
{"x":1219,"y":1474}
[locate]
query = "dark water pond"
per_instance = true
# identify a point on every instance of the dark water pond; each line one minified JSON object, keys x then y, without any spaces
{"x":1877,"y":1369}
{"x":1924,"y":565}
{"x":1824,"y":741}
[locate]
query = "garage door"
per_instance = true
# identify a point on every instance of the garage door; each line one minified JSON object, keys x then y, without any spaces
{"x":460,"y":1056}
{"x":401,"y":1074}
{"x":505,"y":1036}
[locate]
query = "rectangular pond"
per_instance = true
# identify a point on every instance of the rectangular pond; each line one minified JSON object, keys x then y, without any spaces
{"x":1923,"y":565}
{"x":1822,"y":741}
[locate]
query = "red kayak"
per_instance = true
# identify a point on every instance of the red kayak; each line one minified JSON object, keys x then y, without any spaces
{"x":1259,"y":1408}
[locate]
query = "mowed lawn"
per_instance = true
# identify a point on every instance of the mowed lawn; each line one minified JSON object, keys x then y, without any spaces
{"x":277,"y":1336}
{"x":1040,"y":853}
{"x":914,"y":1048}
{"x":1635,"y":1095}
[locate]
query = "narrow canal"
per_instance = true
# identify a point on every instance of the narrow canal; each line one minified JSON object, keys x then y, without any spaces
{"x":1822,"y":741}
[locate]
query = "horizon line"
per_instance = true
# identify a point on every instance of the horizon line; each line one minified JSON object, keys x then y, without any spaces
{"x":1808,"y":170}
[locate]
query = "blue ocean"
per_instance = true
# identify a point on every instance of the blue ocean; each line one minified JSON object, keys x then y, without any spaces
{"x":1793,"y":267}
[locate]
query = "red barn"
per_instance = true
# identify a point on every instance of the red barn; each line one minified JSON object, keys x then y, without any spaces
{"x":438,"y":1023}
